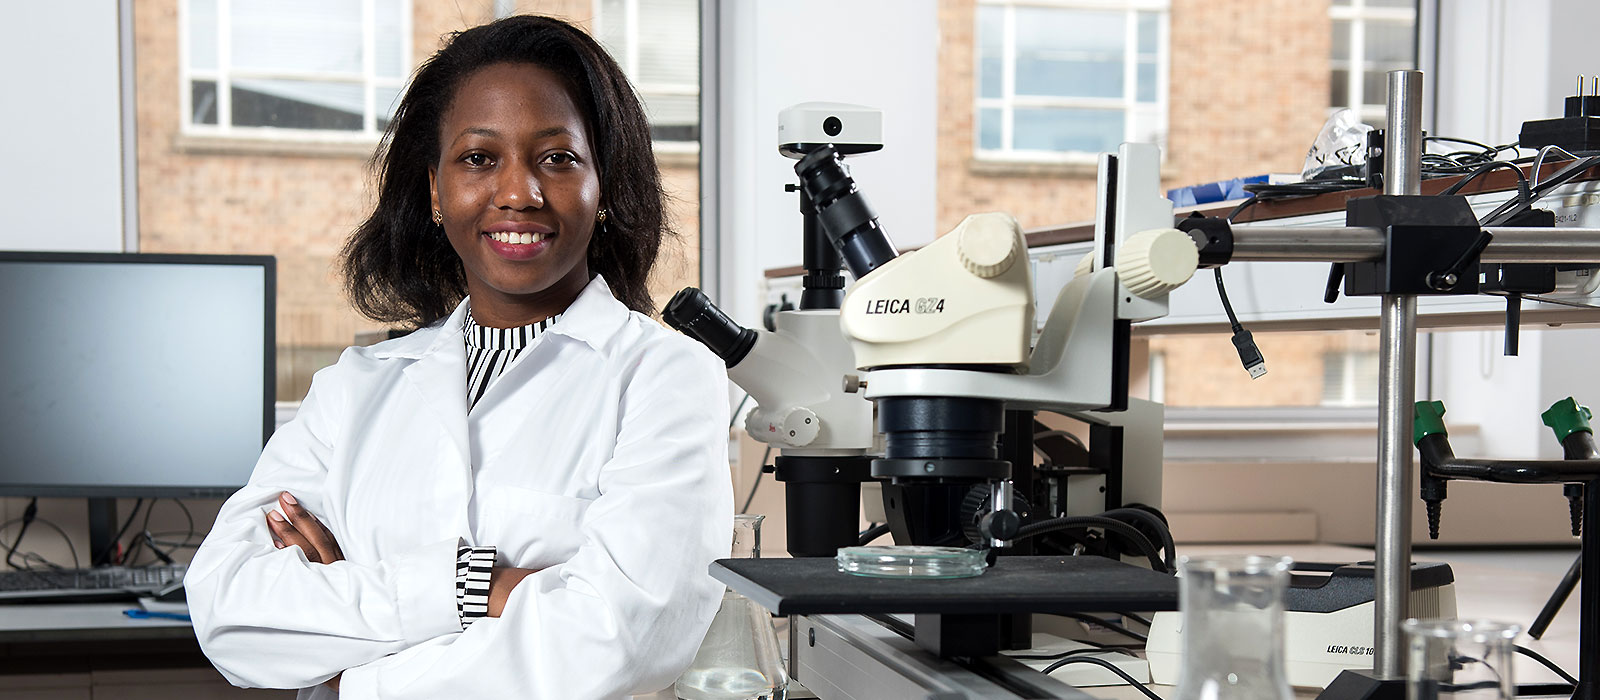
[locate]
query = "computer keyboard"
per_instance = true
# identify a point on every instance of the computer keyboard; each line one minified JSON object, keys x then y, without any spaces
{"x":104,"y":583}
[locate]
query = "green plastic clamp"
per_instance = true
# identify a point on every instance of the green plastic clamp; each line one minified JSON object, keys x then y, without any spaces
{"x":1427,"y":418}
{"x":1567,"y":417}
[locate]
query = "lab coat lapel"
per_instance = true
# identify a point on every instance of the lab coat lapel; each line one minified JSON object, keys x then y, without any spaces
{"x":440,"y":376}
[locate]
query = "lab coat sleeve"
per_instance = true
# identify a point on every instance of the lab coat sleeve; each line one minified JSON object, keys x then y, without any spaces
{"x":267,"y":617}
{"x":627,"y":612}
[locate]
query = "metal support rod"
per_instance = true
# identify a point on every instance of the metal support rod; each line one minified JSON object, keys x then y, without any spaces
{"x":1511,"y":244}
{"x":1397,"y":374}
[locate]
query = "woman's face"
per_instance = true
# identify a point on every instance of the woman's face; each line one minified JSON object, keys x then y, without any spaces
{"x":517,"y":185}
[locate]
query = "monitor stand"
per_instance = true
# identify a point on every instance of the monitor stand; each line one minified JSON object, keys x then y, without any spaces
{"x":102,"y":530}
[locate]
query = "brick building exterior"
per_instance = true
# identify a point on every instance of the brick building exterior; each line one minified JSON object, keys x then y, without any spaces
{"x":1249,"y":87}
{"x":1249,"y":90}
{"x":298,"y":201}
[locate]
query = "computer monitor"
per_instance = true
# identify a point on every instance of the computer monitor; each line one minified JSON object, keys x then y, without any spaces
{"x":133,"y":375}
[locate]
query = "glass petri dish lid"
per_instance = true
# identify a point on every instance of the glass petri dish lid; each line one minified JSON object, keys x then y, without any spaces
{"x":912,"y":561}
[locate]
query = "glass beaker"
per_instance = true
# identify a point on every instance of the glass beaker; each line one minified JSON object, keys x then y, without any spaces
{"x":739,"y":659}
{"x":1459,"y":660}
{"x":1233,"y":628}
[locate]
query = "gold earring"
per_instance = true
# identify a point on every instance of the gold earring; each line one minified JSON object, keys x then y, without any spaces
{"x":437,"y":217}
{"x":601,"y":216}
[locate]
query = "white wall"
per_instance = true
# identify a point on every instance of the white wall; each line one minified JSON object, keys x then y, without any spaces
{"x":775,"y":54}
{"x":1502,"y":62}
{"x":61,"y":128}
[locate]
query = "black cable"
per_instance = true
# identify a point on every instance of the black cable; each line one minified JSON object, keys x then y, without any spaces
{"x":1108,"y":666}
{"x":1114,"y":627}
{"x":1101,"y":649}
{"x":1516,"y":206}
{"x":1243,"y":342}
{"x":28,"y":514}
{"x":1169,"y":548}
{"x":1486,"y":168}
{"x":868,"y":535}
{"x":1137,"y":618}
{"x":747,"y":499}
{"x":116,"y":540}
{"x":70,"y":548}
{"x":1086,"y":522}
{"x":1546,"y":663}
{"x":1222,"y":292}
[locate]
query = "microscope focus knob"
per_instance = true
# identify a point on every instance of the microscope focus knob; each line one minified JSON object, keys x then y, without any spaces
{"x":988,"y":244}
{"x":795,"y":426}
{"x":1155,"y":262}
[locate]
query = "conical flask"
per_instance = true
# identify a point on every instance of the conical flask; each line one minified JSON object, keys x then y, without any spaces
{"x":739,"y":658}
{"x":1233,"y":629}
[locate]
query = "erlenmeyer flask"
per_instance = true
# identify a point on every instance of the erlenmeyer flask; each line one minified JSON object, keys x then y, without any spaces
{"x":1460,"y":660}
{"x":739,"y":658}
{"x":1233,"y":627}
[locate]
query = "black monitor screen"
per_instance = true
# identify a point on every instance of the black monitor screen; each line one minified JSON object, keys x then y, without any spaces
{"x":133,"y":375}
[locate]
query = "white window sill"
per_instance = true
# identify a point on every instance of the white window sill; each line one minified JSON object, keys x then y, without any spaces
{"x":208,"y":144}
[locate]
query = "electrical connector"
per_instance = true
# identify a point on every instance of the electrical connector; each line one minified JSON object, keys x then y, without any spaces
{"x":1249,"y":354}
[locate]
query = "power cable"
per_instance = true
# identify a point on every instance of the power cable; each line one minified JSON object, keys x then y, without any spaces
{"x":1106,"y":665}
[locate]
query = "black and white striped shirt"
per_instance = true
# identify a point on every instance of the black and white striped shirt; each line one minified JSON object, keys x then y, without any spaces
{"x":491,"y":350}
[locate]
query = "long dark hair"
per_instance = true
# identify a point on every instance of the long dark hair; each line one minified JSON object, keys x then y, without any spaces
{"x":399,"y":267}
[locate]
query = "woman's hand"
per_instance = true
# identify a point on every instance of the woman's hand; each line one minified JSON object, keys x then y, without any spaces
{"x":501,"y":580}
{"x":304,"y":530}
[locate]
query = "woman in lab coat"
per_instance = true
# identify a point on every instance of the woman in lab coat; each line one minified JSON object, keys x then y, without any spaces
{"x":538,"y":431}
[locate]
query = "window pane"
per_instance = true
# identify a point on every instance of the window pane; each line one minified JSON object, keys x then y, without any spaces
{"x":1389,"y":43}
{"x":203,"y":102}
{"x":989,"y":129}
{"x":388,"y":40}
{"x":1339,"y":88}
{"x":1147,"y":80}
{"x":673,"y":117}
{"x":296,"y":35}
{"x":203,"y":34}
{"x":386,"y":99}
{"x":669,"y":42}
{"x":295,"y":104}
{"x":612,"y":22}
{"x":1149,"y":33}
{"x":1389,"y":3}
{"x":1066,"y":130}
{"x":991,"y":50}
{"x":1374,"y":85}
{"x":1340,"y":49}
{"x":1069,"y":53}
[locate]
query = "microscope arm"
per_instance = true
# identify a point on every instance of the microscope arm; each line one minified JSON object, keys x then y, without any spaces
{"x":796,"y":375}
{"x":800,"y":399}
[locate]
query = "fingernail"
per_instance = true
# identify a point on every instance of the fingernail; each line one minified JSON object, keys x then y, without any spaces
{"x":277,"y":544}
{"x":289,"y":499}
{"x":275,"y":515}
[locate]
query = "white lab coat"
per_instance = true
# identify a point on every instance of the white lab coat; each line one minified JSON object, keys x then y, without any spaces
{"x":600,"y":458}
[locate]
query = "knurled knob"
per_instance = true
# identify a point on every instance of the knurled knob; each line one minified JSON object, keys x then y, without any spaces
{"x":1155,"y":262}
{"x":1085,"y":265}
{"x":988,"y":243}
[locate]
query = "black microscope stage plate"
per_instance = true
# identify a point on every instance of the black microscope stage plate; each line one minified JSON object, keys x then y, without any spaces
{"x":815,"y":586}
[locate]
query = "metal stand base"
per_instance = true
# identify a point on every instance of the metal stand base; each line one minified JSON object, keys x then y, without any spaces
{"x":1364,"y":685}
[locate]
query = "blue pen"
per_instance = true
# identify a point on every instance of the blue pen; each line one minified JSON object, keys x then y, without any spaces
{"x":139,"y":614}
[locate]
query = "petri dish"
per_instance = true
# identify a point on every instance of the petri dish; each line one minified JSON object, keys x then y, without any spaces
{"x":912,"y":562}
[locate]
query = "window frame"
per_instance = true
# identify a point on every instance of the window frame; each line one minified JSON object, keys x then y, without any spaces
{"x":224,"y":76}
{"x":630,"y":67}
{"x":1128,"y":104}
{"x":1358,"y":13}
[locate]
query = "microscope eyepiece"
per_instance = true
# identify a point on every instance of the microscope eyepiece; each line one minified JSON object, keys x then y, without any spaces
{"x":846,"y":216}
{"x":693,"y":313}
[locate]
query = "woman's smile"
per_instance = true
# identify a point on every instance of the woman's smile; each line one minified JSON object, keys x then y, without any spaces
{"x":519,"y":240}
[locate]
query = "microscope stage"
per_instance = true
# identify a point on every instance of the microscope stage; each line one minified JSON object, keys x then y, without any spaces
{"x":1015,"y":584}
